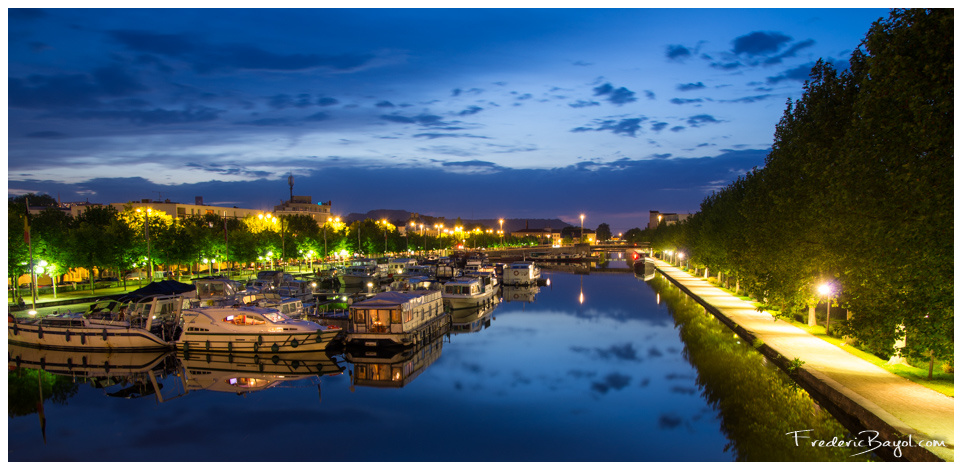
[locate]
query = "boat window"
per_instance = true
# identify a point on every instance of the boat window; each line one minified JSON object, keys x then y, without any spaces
{"x":408,"y":315}
{"x":275,"y":317}
{"x":395,"y":316}
{"x":245,"y":320}
{"x":359,"y":316}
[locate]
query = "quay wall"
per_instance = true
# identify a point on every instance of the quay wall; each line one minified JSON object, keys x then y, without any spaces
{"x":852,"y":409}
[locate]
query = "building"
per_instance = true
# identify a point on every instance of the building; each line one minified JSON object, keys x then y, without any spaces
{"x":303,"y":205}
{"x":546,"y":236}
{"x":181,"y":211}
{"x":655,"y":218}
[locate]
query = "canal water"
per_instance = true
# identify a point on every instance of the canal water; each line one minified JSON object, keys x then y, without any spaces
{"x":602,"y":367}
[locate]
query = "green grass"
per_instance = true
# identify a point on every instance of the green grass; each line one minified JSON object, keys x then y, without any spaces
{"x":941,"y":382}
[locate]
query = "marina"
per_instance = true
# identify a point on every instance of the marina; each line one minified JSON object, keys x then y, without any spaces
{"x":600,"y":352}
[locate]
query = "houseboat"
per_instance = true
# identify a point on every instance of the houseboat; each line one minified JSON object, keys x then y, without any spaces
{"x":149,"y":324}
{"x":469,"y":291}
{"x":217,"y":292}
{"x":396,"y":318}
{"x":247,"y":329}
{"x":521,"y":274}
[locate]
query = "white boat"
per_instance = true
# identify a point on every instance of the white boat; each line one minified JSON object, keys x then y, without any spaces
{"x":249,"y":330}
{"x":397,"y":266}
{"x":362,"y":272}
{"x":217,"y":291}
{"x":469,"y":291}
{"x":150,"y":324}
{"x":472,"y":320}
{"x":521,"y":274}
{"x":396,"y":318}
{"x":289,"y":306}
{"x":417,"y":270}
{"x":416,"y":283}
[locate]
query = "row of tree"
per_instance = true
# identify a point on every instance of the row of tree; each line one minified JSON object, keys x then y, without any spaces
{"x":103,"y":238}
{"x":857,"y":193}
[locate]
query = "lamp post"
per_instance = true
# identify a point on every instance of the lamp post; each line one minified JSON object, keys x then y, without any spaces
{"x":384,"y":222}
{"x":825,"y":290}
{"x":581,"y":238}
{"x":150,"y":264}
{"x":501,"y":232}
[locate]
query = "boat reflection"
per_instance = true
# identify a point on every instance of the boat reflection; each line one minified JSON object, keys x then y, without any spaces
{"x":245,"y":374}
{"x":393,"y":367}
{"x":119,"y":374}
{"x":519,"y":293}
{"x":473,"y":320}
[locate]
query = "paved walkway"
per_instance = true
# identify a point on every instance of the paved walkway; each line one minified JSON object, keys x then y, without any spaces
{"x":870,"y":393}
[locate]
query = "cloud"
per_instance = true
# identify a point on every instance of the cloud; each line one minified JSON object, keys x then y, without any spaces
{"x":618,"y":96}
{"x":237,"y":56}
{"x":625,"y":352}
{"x":726,"y":65}
{"x":583,"y":104}
{"x":326,"y":101}
{"x":384,"y":104}
{"x":283,"y":101}
{"x":759,"y":43}
{"x":678,"y":52}
{"x":685,"y":100}
{"x":790,"y":52}
{"x":438,"y":135}
{"x":649,"y":94}
{"x":426,"y":120}
{"x":25,"y":13}
{"x":690,"y":86}
{"x":627,"y":127}
{"x":799,"y":74}
{"x":747,"y":99}
{"x":697,"y":120}
{"x":47,"y":135}
{"x":659,"y":126}
{"x":669,"y":421}
{"x":75,"y":90}
{"x":471,"y":110}
{"x":149,"y":117}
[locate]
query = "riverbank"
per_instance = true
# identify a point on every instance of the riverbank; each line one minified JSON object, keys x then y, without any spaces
{"x":869,"y":397}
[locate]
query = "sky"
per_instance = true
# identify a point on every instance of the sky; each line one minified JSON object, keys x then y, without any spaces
{"x":471,"y":113}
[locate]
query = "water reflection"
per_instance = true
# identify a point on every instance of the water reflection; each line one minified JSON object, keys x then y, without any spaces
{"x":519,"y":293}
{"x":756,"y":402}
{"x":393,"y":367}
{"x":246,"y":374}
{"x":472,"y":320}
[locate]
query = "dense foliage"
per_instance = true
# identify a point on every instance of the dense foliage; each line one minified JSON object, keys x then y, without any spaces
{"x":857,"y":192}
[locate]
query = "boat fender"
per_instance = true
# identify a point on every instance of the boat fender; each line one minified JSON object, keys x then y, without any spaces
{"x":275,"y":359}
{"x":105,"y":334}
{"x":83,"y":338}
{"x":66,"y":336}
{"x":69,"y":363}
{"x":255,"y":347}
{"x":295,"y":364}
{"x":39,"y":332}
{"x":16,"y":329}
{"x":186,"y":346}
{"x":208,"y":345}
{"x":275,"y":348}
{"x":294,"y":343}
{"x":516,"y":272}
{"x":230,"y":347}
{"x":260,"y":340}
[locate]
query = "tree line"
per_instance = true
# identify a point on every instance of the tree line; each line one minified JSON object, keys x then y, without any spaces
{"x":856,"y":194}
{"x":104,"y":239}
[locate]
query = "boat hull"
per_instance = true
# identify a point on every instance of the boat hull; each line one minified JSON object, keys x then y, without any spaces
{"x":263,"y":343}
{"x":458,"y":302}
{"x":92,"y":338}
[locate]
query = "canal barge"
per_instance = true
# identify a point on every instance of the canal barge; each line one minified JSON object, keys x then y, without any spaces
{"x":470,"y":291}
{"x":396,"y":319}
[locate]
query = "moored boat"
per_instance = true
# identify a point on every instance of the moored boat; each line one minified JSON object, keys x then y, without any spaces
{"x":521,"y":273}
{"x":469,"y":291}
{"x":150,"y":324}
{"x":396,"y":318}
{"x":250,"y":330}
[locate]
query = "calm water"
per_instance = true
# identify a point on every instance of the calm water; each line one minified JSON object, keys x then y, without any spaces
{"x":599,"y":367}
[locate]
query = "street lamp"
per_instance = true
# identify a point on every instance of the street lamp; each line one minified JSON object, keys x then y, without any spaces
{"x":825,"y":290}
{"x":501,"y":232}
{"x":681,"y":256}
{"x":582,"y":237}
{"x":383,"y":221}
{"x":147,"y":230}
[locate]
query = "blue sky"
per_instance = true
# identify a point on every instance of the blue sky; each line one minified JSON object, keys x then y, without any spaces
{"x":472,"y":113}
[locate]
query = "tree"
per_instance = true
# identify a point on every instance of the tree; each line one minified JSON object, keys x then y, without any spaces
{"x":603,"y":233}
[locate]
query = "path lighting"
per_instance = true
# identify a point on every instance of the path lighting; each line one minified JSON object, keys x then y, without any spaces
{"x":826,"y":290}
{"x":681,"y":256}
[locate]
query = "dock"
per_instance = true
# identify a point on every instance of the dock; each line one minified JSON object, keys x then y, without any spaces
{"x":866,"y":395}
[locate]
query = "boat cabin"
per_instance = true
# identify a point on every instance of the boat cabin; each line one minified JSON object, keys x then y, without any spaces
{"x":399,"y":318}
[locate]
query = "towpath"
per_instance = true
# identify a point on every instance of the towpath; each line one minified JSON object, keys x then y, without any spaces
{"x":878,"y":400}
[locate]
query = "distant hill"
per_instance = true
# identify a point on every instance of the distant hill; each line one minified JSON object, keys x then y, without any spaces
{"x":400,"y":217}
